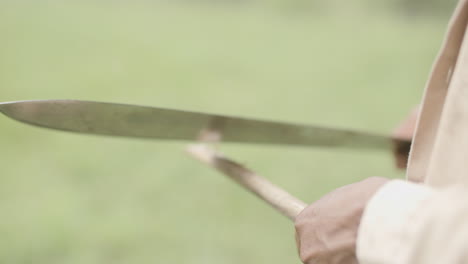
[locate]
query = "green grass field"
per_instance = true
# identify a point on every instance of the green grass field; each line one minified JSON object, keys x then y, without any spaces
{"x":76,"y":199}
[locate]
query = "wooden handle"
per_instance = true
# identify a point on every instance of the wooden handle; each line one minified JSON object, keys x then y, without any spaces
{"x":281,"y":200}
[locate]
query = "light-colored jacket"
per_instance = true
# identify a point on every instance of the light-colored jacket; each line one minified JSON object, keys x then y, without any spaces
{"x":407,"y":223}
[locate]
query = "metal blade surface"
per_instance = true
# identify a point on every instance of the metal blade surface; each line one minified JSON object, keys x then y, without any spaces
{"x":158,"y":123}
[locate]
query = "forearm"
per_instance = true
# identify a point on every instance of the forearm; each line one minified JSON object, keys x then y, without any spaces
{"x":407,"y":223}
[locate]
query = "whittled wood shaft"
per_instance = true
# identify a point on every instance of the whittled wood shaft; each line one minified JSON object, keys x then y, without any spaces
{"x":278,"y":198}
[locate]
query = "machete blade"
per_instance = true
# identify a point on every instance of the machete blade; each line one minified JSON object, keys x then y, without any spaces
{"x":167,"y":124}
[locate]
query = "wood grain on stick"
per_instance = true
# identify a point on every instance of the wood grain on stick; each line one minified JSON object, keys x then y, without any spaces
{"x":281,"y":200}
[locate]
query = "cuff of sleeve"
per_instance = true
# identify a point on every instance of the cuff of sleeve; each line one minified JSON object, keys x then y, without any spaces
{"x":384,"y":227}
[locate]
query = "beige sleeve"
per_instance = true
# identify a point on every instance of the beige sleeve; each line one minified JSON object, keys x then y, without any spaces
{"x":406,"y":223}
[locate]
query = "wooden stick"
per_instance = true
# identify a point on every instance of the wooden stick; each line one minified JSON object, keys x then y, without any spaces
{"x":281,"y":200}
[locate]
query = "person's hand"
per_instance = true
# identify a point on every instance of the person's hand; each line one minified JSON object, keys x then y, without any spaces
{"x":326,"y":231}
{"x":404,"y":130}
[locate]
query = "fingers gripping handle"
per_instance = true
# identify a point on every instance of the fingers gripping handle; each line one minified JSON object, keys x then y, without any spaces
{"x":278,"y":198}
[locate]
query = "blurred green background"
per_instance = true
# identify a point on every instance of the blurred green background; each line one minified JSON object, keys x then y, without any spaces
{"x":67,"y":198}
